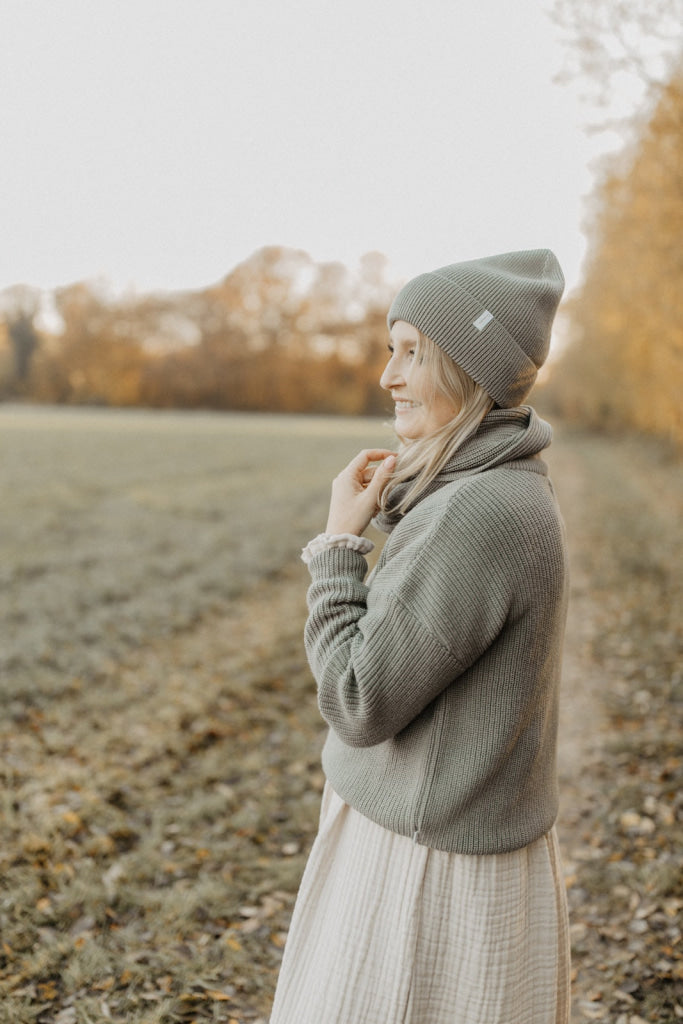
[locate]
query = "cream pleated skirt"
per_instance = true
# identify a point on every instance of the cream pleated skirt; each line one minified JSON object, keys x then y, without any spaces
{"x":386,"y":931}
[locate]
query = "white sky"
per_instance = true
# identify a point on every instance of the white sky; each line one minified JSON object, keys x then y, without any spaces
{"x":157,"y":143}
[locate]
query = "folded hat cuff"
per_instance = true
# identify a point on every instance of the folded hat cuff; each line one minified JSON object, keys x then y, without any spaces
{"x":456,"y":322}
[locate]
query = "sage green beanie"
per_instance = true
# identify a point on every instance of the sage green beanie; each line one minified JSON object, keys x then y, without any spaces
{"x":492,"y":316}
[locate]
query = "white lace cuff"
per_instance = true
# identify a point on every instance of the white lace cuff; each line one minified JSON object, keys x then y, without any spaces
{"x":324,"y":541}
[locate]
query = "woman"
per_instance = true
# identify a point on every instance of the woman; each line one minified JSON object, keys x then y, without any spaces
{"x":433,"y":892}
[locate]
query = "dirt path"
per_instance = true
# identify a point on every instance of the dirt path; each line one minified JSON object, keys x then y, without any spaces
{"x":621,"y":820}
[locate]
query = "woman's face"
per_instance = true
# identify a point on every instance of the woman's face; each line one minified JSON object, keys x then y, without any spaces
{"x":420,"y":407}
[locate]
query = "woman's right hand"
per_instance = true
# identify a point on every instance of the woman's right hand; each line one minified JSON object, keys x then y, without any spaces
{"x":356,"y":491}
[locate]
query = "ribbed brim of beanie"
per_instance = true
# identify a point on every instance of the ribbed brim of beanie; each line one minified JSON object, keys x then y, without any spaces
{"x":493,"y":316}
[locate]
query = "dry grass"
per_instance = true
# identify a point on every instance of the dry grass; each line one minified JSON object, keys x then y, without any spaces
{"x":160,"y":743}
{"x":123,"y":526}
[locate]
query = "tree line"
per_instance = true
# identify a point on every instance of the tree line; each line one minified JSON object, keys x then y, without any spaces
{"x":278,"y":333}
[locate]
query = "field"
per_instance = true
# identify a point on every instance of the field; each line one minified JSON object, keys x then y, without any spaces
{"x":160,"y":741}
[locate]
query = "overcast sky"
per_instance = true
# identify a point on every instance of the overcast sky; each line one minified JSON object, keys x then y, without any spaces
{"x":156,"y":143}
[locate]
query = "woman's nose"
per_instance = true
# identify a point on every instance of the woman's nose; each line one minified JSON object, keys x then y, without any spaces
{"x":390,"y":376}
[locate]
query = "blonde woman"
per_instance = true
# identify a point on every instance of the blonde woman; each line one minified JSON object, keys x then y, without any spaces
{"x":433,"y":893}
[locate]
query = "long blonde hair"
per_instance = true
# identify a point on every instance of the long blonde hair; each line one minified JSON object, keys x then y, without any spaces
{"x":421,"y":460}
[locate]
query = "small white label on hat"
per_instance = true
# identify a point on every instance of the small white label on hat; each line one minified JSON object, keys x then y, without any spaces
{"x":481,"y":321}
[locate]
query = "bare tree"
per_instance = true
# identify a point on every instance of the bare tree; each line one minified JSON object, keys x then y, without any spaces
{"x":20,"y":306}
{"x":620,"y":48}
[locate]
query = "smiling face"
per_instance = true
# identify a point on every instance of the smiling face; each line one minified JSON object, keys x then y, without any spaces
{"x":421,"y":408}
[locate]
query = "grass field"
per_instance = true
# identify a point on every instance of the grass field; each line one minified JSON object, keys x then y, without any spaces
{"x":160,"y":741}
{"x":122,"y":526}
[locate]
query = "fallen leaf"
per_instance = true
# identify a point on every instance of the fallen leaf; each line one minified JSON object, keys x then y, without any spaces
{"x":217,"y":995}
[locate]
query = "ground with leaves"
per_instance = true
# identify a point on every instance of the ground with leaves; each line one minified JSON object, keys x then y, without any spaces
{"x":621,"y":755}
{"x":160,"y":742}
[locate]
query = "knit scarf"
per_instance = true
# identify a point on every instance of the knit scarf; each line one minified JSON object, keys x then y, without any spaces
{"x":504,"y":436}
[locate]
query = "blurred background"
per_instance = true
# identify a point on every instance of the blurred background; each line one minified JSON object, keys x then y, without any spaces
{"x":193,"y":196}
{"x":205,"y":211}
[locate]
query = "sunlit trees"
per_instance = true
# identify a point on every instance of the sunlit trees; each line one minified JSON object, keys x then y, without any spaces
{"x":625,"y":365}
{"x":99,"y":358}
{"x":278,"y":333}
{"x":624,"y":362}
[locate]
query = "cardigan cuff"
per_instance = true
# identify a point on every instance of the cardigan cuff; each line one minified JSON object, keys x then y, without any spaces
{"x":325,"y":541}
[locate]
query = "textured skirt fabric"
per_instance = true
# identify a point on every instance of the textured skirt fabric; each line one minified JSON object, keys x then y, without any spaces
{"x":386,"y":931}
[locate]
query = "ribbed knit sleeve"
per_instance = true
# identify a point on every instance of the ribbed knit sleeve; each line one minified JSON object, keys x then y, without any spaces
{"x":381,"y":654}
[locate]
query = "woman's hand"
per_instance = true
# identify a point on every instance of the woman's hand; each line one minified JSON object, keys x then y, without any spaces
{"x":355,"y":492}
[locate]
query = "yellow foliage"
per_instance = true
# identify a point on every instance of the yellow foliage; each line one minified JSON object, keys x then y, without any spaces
{"x":278,"y":334}
{"x":624,"y":364}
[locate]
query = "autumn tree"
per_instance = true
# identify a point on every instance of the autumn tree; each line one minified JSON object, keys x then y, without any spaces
{"x":99,"y":358}
{"x":297,"y":335}
{"x":624,"y":362}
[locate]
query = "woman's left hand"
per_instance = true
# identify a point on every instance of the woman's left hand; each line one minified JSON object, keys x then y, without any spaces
{"x":355,"y":492}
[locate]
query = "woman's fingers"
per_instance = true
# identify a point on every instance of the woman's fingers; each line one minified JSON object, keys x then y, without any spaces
{"x":371,"y":455}
{"x":360,"y":466}
{"x":381,"y":473}
{"x":378,"y":473}
{"x":355,"y":492}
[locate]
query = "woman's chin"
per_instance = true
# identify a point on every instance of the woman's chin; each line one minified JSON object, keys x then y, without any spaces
{"x":406,"y":433}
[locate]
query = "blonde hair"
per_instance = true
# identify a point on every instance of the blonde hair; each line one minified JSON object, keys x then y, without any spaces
{"x":421,"y":460}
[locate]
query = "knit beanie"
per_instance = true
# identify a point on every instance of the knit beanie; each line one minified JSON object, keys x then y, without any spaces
{"x":492,"y":316}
